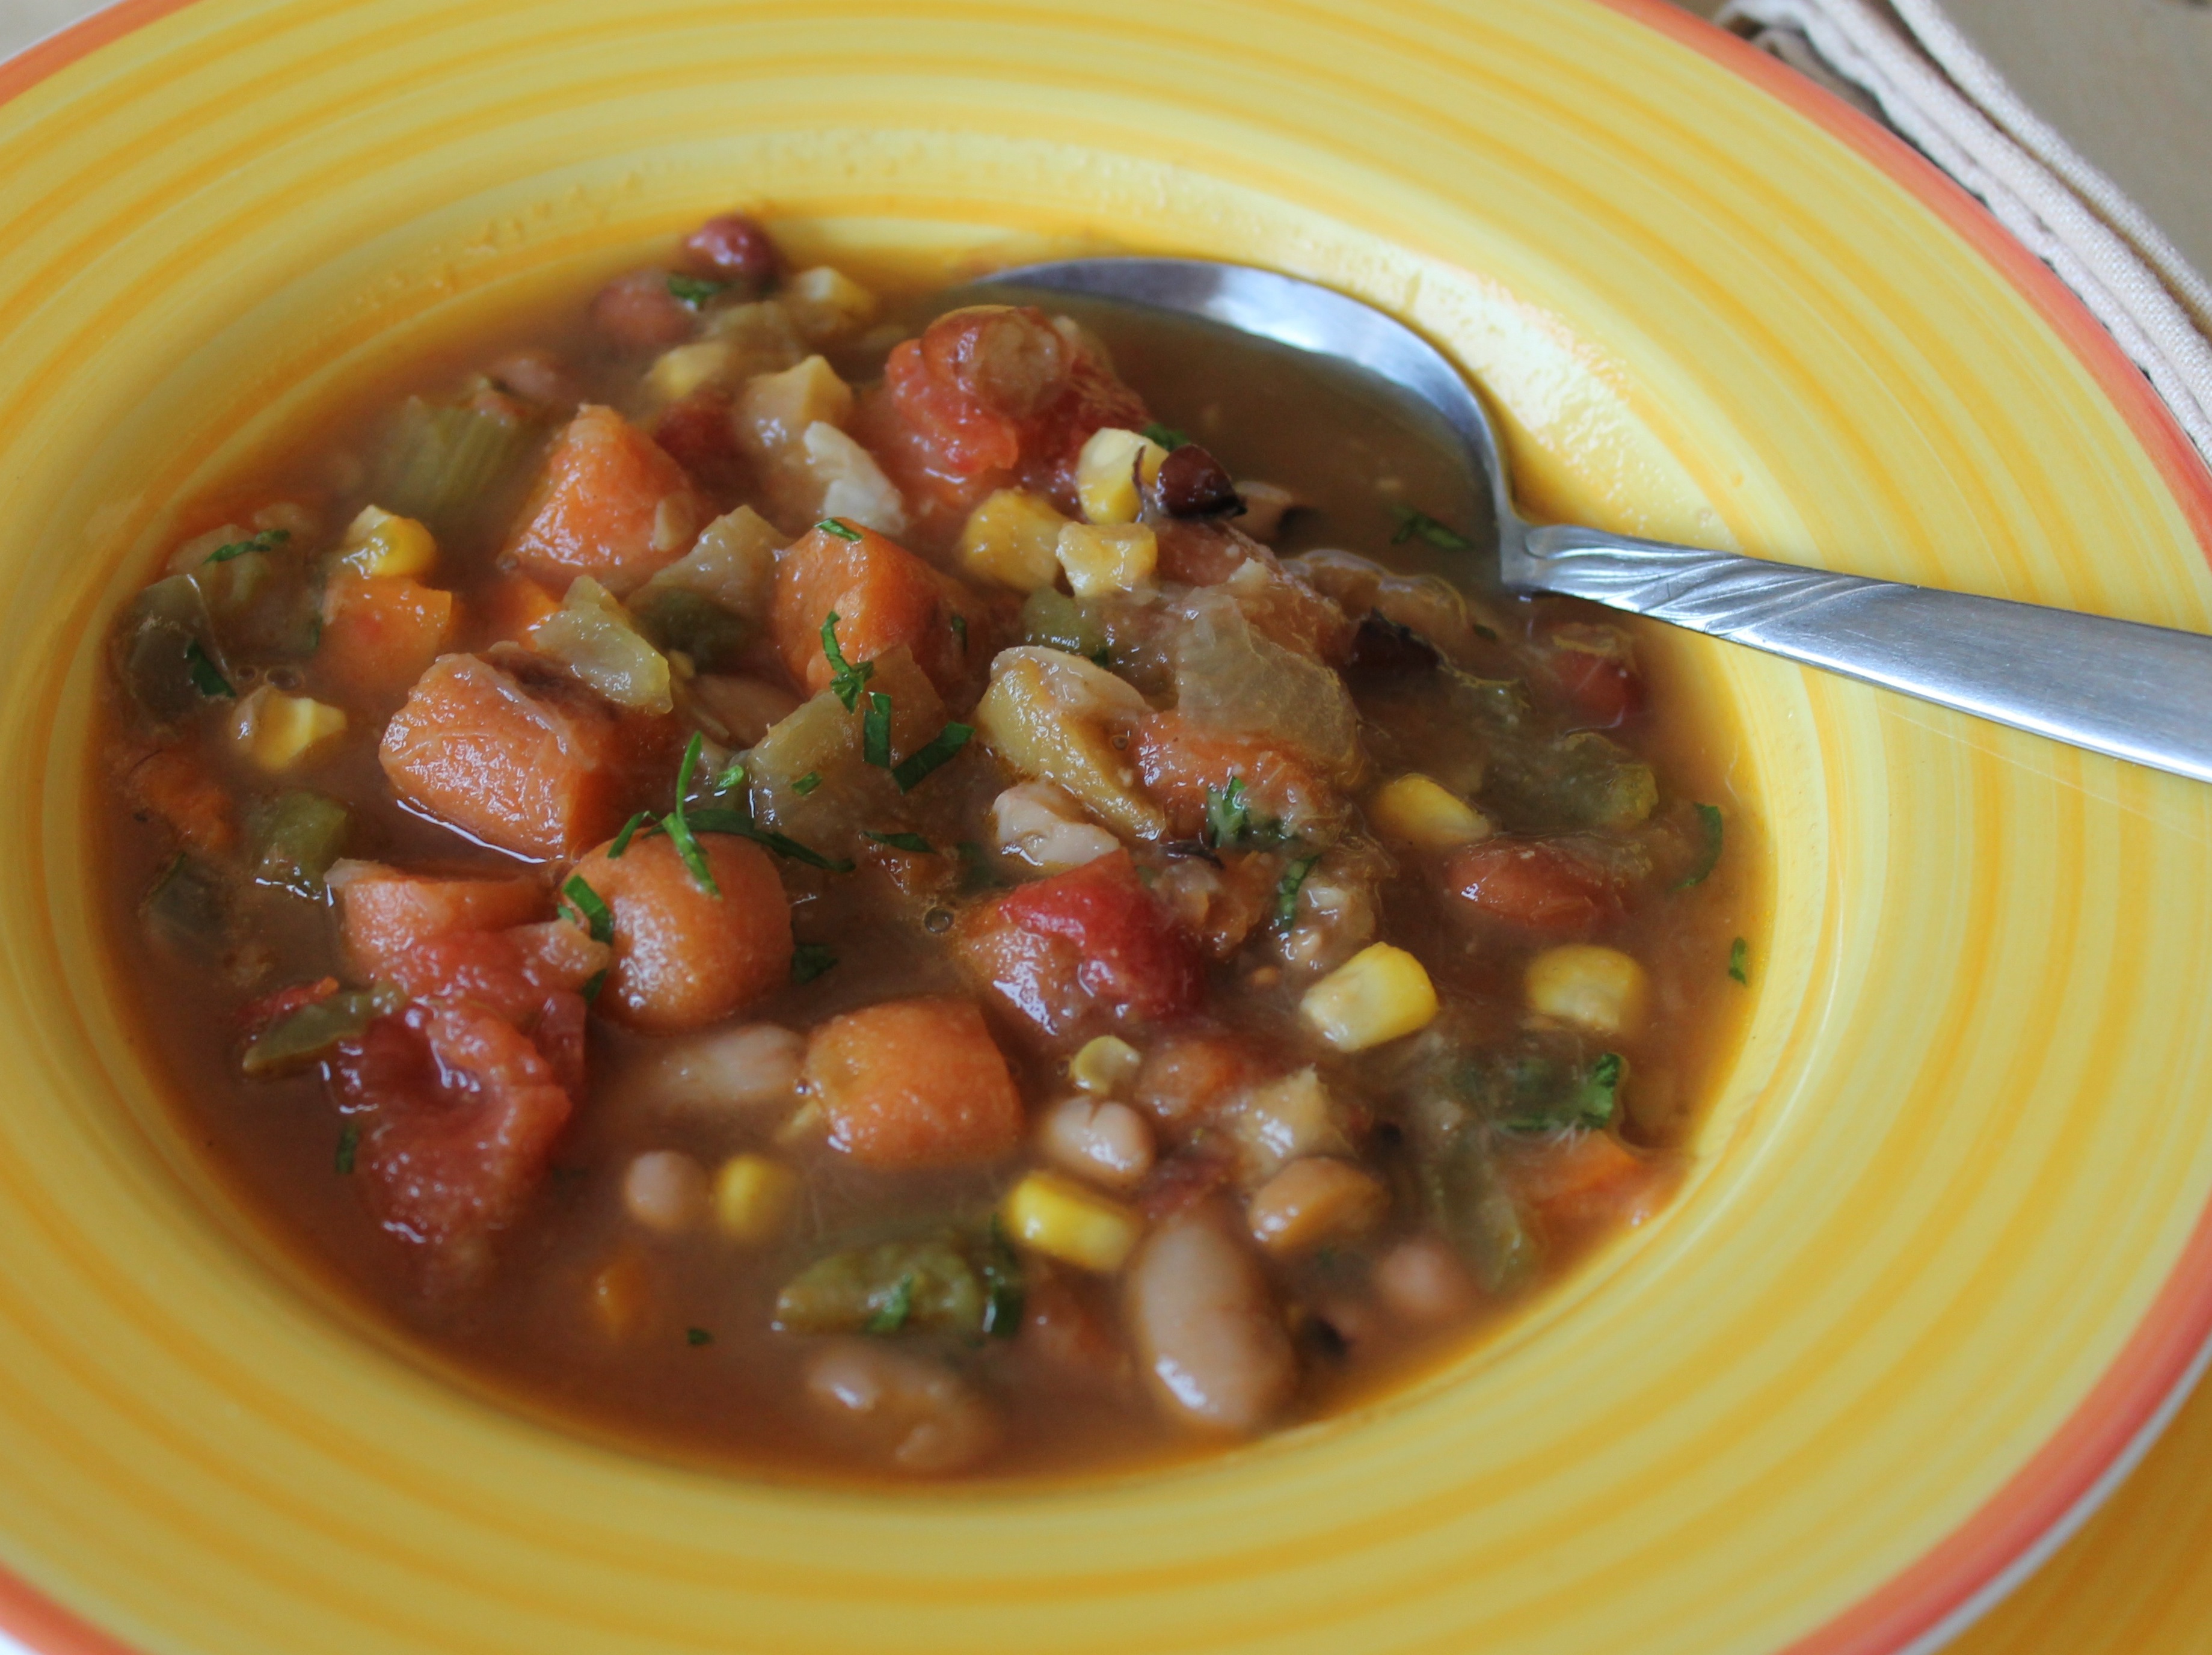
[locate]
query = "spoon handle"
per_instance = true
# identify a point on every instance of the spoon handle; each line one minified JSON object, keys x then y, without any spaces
{"x":2142,"y":693}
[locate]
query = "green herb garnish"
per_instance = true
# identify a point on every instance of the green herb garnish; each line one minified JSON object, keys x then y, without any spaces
{"x":876,"y":731}
{"x":810,"y":960}
{"x":348,"y":1142}
{"x":845,"y":678}
{"x":1709,"y":817}
{"x":207,"y":679}
{"x":592,"y":987}
{"x":911,"y":842}
{"x":679,"y":830}
{"x":960,"y":631}
{"x":917,"y":766}
{"x":1739,"y":954}
{"x":1003,"y":1293}
{"x":696,"y":1336}
{"x":1166,"y":435}
{"x":1227,"y":814}
{"x":807,"y":783}
{"x":693,"y":290}
{"x":587,"y":909}
{"x":629,"y":828}
{"x":1287,"y":889}
{"x":267,"y":540}
{"x":891,"y":1316}
{"x":1411,"y":523}
{"x":736,"y":822}
{"x":831,"y":526}
{"x":1590,"y":1103}
{"x":732,"y":778}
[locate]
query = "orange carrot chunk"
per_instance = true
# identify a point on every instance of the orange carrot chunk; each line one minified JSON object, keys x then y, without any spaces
{"x":883,"y":596}
{"x":684,"y":957}
{"x":610,"y":504}
{"x":915,"y":1083}
{"x":386,"y":914}
{"x":381,"y":633}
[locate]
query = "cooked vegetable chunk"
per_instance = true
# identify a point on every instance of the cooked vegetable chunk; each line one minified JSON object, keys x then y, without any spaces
{"x":915,"y":1083}
{"x":884,"y":597}
{"x":609,"y":504}
{"x":685,"y":957}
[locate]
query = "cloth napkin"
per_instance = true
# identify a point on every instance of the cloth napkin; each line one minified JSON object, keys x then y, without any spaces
{"x":1906,"y":63}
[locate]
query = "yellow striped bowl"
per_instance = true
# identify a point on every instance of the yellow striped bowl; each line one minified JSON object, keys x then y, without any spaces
{"x":1945,"y":1253}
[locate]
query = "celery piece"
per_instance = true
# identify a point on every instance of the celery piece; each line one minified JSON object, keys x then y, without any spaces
{"x":296,"y":836}
{"x":450,"y":466}
{"x":674,"y":619}
{"x":313,"y":1031}
{"x":1468,"y":1203}
{"x":930,"y":1284}
{"x":1055,"y":621}
{"x":164,"y":635}
{"x":186,"y":904}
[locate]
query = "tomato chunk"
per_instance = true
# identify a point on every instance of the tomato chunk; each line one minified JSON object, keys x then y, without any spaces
{"x":515,"y":753}
{"x":1549,"y":887}
{"x":1084,"y":948}
{"x":1594,"y":667}
{"x":459,"y":1114}
{"x":610,"y":504}
{"x":883,"y":596}
{"x":915,"y":1083}
{"x":684,"y":957}
{"x":1186,"y":765}
{"x":381,"y":633}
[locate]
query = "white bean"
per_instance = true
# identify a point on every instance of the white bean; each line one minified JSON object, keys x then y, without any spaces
{"x":1206,"y":1326}
{"x":753,"y":1066}
{"x":919,"y":1416}
{"x":1038,"y":823}
{"x":1108,"y":1143}
{"x":1423,"y":1281}
{"x":665,"y":1189}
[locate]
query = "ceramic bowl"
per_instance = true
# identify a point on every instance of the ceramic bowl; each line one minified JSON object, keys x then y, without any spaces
{"x":1944,"y":1256}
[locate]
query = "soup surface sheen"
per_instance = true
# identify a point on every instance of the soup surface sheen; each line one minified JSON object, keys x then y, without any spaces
{"x":843,"y":881}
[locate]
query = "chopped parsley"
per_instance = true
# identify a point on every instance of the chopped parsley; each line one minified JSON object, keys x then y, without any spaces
{"x":349,"y":1143}
{"x":679,"y":830}
{"x":876,"y":731}
{"x":917,"y":766}
{"x":845,"y":678}
{"x":737,"y":823}
{"x":1709,"y":817}
{"x":1440,"y":535}
{"x":267,"y":540}
{"x":1166,"y":435}
{"x":1589,"y":1102}
{"x":1003,"y":1294}
{"x":207,"y":678}
{"x":1230,"y":822}
{"x":960,"y":631}
{"x":1739,"y":955}
{"x":732,"y":778}
{"x":591,"y":989}
{"x":587,"y":909}
{"x":909,"y":842}
{"x":629,"y":829}
{"x":810,"y":960}
{"x":831,"y":526}
{"x":693,"y":290}
{"x":1287,"y":889}
{"x":696,"y":1336}
{"x":891,"y":1316}
{"x":807,"y":783}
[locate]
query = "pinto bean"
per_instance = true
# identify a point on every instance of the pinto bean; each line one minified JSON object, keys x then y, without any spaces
{"x":734,"y":248}
{"x":1206,"y":1329}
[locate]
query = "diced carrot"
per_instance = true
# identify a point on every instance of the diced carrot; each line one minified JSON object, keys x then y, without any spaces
{"x":1578,"y":1180}
{"x":513,"y":752}
{"x":683,"y":955}
{"x":1547,"y":887}
{"x":610,"y":504}
{"x":883,"y":596}
{"x":379,"y":633}
{"x":1184,"y":764}
{"x":172,"y":784}
{"x":915,"y":1083}
{"x":511,"y":605}
{"x":510,"y":974}
{"x":1082,"y":950}
{"x":384,"y":914}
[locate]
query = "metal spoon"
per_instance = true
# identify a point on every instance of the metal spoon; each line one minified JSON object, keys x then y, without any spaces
{"x":2142,"y":693}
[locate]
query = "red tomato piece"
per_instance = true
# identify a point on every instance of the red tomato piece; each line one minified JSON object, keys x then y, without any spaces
{"x":1594,"y":667}
{"x":1546,"y":886}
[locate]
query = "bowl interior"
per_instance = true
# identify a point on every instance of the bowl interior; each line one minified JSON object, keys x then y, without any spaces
{"x":1955,"y":1176}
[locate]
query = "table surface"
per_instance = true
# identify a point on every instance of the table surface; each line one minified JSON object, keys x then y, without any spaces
{"x":2126,"y":80}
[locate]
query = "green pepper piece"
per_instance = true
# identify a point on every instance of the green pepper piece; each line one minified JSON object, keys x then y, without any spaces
{"x":672,"y":618}
{"x":296,"y":837}
{"x":930,"y":1284}
{"x":310,"y":1032}
{"x":186,"y":904}
{"x":156,"y":641}
{"x":1056,"y":621}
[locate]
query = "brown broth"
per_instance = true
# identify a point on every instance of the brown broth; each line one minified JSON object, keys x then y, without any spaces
{"x":1351,"y":448}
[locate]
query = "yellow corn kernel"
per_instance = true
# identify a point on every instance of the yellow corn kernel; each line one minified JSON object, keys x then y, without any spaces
{"x":1105,"y":558}
{"x":753,"y":1198}
{"x":1415,"y":811}
{"x":1378,"y":995}
{"x":1111,"y":471}
{"x":1060,"y":1218}
{"x":826,"y":305}
{"x":1104,"y":1066}
{"x":1012,"y":540}
{"x":378,"y":542}
{"x":1601,"y":990}
{"x":277,"y":731}
{"x":675,"y":374}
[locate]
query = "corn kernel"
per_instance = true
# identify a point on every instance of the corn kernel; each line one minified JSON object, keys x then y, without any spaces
{"x":826,"y":305}
{"x":1101,"y":558}
{"x":1418,"y":812}
{"x":1012,"y":540}
{"x":1380,"y":993}
{"x":277,"y":731}
{"x":1104,"y":1066}
{"x":675,"y":374}
{"x":1111,"y":472}
{"x":753,"y":1196}
{"x":1601,"y":990}
{"x":1060,"y":1218}
{"x":378,"y":542}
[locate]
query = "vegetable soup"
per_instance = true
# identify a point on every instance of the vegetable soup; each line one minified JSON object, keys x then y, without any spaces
{"x":839,"y":879}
